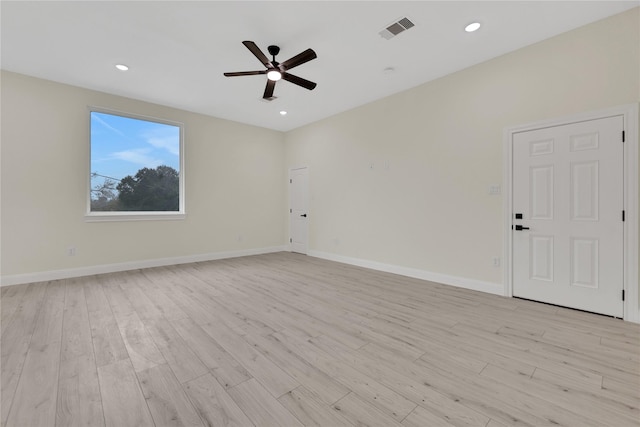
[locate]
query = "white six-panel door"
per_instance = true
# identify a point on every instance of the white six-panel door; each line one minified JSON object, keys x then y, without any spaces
{"x":568,"y":189}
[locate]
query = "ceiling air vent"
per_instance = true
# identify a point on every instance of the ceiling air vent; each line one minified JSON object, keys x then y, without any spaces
{"x":396,"y":28}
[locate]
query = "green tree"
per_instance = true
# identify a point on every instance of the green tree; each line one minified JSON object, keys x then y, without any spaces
{"x":150,"y":190}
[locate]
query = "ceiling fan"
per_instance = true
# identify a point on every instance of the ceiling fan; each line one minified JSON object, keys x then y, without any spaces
{"x":275,"y":70}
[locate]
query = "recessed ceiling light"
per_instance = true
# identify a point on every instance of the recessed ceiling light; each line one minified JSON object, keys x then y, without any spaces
{"x":283,"y":113}
{"x":122,"y":67}
{"x":472,"y":27}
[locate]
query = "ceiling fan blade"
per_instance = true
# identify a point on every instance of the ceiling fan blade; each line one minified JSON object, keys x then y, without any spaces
{"x":299,"y":81}
{"x":268,"y":90}
{"x":299,"y":59}
{"x":257,"y":53}
{"x":245,"y":73}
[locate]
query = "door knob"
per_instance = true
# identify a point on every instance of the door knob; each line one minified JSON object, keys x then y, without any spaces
{"x":519,"y":227}
{"x":304,"y":215}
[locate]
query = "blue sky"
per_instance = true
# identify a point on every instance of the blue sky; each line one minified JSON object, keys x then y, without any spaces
{"x":120,"y":146}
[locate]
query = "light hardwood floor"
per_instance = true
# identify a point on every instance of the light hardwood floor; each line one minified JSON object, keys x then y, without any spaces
{"x":288,"y":340}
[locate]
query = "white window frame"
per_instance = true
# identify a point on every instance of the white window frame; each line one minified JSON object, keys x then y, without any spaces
{"x":135,"y":215}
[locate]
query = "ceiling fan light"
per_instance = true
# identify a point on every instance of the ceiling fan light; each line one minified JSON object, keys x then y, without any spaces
{"x":274,"y":75}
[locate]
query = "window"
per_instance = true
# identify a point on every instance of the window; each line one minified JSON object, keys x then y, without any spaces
{"x":136,"y":168}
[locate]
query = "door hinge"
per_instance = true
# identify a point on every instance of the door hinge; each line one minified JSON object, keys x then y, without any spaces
{"x":290,"y":210}
{"x":623,"y":136}
{"x":290,"y":240}
{"x":623,"y":295}
{"x":290,"y":181}
{"x":622,"y":216}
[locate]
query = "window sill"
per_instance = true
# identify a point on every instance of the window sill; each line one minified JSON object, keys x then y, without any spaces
{"x":133,"y":216}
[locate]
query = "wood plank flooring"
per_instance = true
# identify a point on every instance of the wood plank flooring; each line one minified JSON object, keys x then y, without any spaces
{"x":288,"y":340}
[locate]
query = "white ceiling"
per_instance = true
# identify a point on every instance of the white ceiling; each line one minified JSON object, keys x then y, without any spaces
{"x":178,"y":50}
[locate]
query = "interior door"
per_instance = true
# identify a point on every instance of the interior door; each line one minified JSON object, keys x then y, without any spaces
{"x":568,"y":219}
{"x":298,"y":213}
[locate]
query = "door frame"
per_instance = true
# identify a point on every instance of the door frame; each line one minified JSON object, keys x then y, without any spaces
{"x":291,"y":169}
{"x":631,"y":118}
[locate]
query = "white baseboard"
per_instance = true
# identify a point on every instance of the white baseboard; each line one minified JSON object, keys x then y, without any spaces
{"x":43,"y":276}
{"x":460,"y":282}
{"x":632,"y":315}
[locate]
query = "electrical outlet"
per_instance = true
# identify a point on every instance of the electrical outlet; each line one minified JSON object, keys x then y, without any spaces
{"x":496,"y":261}
{"x":71,"y":251}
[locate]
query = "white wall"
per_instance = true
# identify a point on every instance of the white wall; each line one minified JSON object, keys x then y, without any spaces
{"x":430,"y":210}
{"x":235,"y":184}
